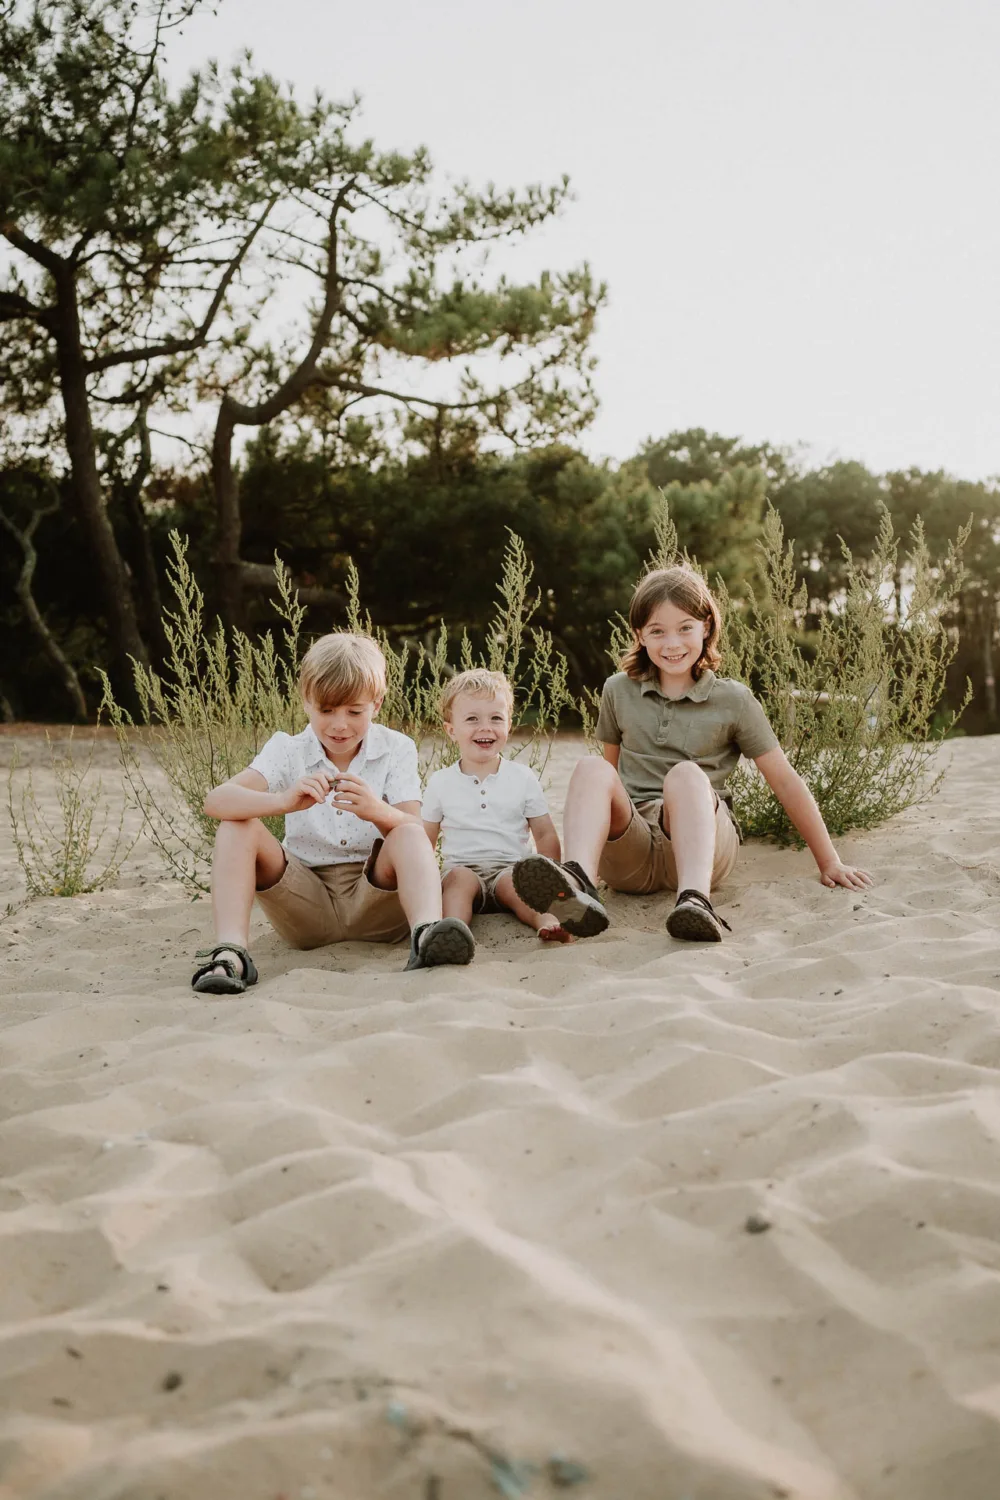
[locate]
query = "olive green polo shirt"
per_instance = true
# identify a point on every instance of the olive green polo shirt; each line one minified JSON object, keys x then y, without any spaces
{"x":715,"y":721}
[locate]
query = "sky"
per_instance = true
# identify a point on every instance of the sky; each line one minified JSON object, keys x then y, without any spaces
{"x":794,"y":202}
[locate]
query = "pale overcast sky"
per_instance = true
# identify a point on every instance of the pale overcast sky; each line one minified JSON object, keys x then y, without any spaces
{"x":795,"y":202}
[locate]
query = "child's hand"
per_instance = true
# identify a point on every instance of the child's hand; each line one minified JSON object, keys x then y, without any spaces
{"x":356,"y":796}
{"x":307,"y":792}
{"x":837,"y":873}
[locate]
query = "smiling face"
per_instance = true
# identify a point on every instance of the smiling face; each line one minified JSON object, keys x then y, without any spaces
{"x":340,"y":730}
{"x":479,"y":727}
{"x":673,"y":640}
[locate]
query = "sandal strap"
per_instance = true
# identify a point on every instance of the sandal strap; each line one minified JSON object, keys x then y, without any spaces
{"x":249,"y":967}
{"x":702,"y":900}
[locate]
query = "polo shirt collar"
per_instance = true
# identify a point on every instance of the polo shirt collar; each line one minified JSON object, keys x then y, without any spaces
{"x":375,"y":744}
{"x":697,"y":692}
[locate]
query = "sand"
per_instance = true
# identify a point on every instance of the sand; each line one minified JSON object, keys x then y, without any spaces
{"x":453,"y":1235}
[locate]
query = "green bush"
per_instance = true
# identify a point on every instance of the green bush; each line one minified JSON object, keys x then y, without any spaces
{"x":75,"y":849}
{"x":858,"y":713}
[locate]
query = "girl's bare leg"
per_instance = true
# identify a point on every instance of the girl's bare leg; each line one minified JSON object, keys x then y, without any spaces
{"x":247,"y":858}
{"x":597,"y":808}
{"x":689,"y":805}
{"x":459,"y":890}
{"x":406,"y":864}
{"x":541,"y":921}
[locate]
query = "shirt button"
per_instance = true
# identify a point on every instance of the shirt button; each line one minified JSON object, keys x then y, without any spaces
{"x":343,"y":843}
{"x":340,"y":812}
{"x":482,"y":804}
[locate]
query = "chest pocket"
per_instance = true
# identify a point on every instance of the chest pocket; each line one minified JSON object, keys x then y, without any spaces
{"x":700,"y":735}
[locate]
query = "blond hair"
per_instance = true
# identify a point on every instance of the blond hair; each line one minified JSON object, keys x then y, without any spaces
{"x":685,"y":589}
{"x":342,"y":668}
{"x":479,"y":683}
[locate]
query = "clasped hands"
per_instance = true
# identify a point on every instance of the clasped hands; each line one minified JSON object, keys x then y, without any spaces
{"x":350,"y":794}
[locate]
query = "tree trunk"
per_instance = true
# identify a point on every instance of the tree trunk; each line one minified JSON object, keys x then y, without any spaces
{"x":112,"y":578}
{"x":989,"y":679}
{"x":63,"y":666}
{"x":229,"y":580}
{"x":140,"y":545}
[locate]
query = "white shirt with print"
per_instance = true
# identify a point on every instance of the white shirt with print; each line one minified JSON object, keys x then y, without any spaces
{"x":326,"y":835}
{"x":484,"y":820}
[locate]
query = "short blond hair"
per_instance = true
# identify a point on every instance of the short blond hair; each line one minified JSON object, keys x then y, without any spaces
{"x":478,"y":683}
{"x":343,"y":668}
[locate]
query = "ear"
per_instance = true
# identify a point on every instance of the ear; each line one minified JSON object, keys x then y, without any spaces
{"x":378,"y":706}
{"x":449,"y":729}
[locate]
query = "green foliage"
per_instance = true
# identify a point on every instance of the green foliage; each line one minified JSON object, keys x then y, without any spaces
{"x":205,"y":717}
{"x":76,"y":848}
{"x":858,"y":714}
{"x":221,"y":696}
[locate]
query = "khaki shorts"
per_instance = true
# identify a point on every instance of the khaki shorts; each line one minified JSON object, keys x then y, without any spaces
{"x":312,"y":905}
{"x":642,"y":858}
{"x":487,"y":901}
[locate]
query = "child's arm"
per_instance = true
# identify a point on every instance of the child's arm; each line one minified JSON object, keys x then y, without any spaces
{"x":432,"y":830}
{"x":246,"y":796}
{"x":800,"y":805}
{"x":611,"y":754}
{"x":543,"y":831}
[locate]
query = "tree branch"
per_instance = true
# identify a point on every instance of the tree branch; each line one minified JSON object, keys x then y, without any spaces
{"x":301,"y":377}
{"x":14,"y":306}
{"x":197,"y":339}
{"x":32,"y":248}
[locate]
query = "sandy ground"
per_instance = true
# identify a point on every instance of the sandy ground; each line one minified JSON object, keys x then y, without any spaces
{"x":454,"y":1235}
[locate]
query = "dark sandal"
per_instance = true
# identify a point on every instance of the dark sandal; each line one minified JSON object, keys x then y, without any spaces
{"x":695,"y":919}
{"x":447,"y":941}
{"x":564,"y":890}
{"x":205,"y":982}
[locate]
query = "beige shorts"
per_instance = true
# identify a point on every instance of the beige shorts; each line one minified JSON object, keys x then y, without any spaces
{"x":642,"y":858}
{"x":487,"y":902}
{"x":312,"y":905}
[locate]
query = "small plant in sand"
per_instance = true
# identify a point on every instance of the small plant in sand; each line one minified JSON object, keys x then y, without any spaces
{"x":206,"y":717}
{"x":220,"y":698}
{"x":77,"y":846}
{"x":858,"y":711}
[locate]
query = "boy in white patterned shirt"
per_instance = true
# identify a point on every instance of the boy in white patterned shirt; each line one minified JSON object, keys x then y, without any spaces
{"x":355,"y":861}
{"x":484,"y":807}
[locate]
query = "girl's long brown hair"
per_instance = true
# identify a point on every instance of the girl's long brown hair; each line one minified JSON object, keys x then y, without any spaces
{"x":685,"y":589}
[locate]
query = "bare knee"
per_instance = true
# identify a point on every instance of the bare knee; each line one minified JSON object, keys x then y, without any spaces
{"x":233,"y":831}
{"x":460,"y":880}
{"x":593,"y":771}
{"x":686,"y":779}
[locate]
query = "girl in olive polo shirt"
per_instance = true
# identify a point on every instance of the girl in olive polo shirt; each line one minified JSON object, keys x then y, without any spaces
{"x":655,"y":813}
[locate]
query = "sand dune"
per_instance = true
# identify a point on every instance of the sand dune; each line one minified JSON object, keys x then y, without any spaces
{"x":454,"y":1235}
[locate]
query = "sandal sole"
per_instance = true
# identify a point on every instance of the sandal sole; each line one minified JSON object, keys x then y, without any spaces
{"x":449,"y":945}
{"x":693,"y":924}
{"x":219,"y":984}
{"x":541,"y":885}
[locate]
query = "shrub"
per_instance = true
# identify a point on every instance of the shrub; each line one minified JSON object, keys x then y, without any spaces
{"x":69,"y":852}
{"x":858,"y":712}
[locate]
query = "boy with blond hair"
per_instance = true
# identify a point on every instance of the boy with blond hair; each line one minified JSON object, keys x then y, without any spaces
{"x":484,"y":807}
{"x":355,"y":861}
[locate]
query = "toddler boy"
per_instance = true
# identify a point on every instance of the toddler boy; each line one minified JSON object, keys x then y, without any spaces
{"x":484,"y":806}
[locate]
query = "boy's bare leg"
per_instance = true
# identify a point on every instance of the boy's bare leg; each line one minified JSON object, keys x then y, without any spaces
{"x":247,"y":858}
{"x":597,"y":808}
{"x":689,"y":805}
{"x":406,"y":864}
{"x":541,"y":921}
{"x":459,"y":890}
